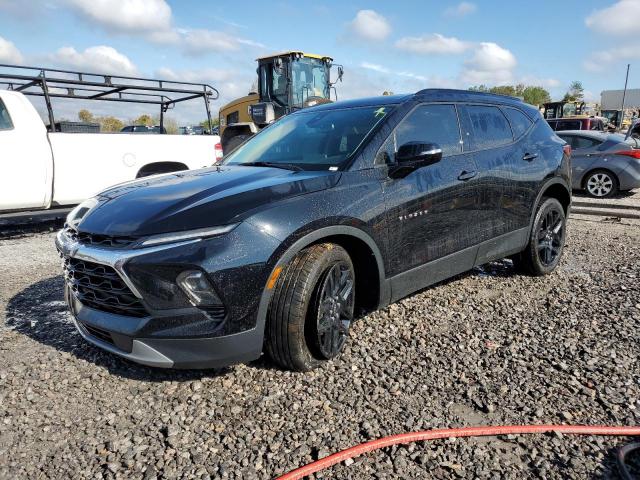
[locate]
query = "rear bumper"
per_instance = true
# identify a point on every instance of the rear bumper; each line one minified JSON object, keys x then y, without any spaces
{"x":629,"y":178}
{"x":194,"y":352}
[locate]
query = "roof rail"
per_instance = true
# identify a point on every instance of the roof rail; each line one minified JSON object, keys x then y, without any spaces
{"x":426,"y":91}
{"x":55,"y":83}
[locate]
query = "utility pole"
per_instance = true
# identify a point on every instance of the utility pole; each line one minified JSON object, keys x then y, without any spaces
{"x":624,"y":95}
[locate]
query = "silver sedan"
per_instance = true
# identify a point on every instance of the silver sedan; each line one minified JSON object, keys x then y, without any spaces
{"x":603,"y":164}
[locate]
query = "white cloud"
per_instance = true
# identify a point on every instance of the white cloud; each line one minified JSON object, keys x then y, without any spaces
{"x":461,"y":10}
{"x":375,"y":67}
{"x":492,"y":57}
{"x":98,"y":59}
{"x":620,"y":18}
{"x":229,"y":83}
{"x":490,"y":64}
{"x":131,"y":16}
{"x":370,"y":25}
{"x":433,"y":43}
{"x":9,"y":53}
{"x":604,"y":59}
{"x":152,"y":19}
{"x":539,"y":82}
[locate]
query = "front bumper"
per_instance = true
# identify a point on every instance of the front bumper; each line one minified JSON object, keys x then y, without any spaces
{"x":177,"y":337}
{"x":163,"y":352}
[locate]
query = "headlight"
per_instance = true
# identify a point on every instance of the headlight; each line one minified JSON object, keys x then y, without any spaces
{"x":78,"y":213}
{"x":189,"y":235}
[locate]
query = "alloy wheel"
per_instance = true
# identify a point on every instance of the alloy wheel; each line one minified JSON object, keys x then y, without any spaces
{"x":335,"y":309}
{"x":600,"y":184}
{"x":549,"y":238}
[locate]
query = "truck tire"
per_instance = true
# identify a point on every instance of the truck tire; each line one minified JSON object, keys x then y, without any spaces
{"x":311,"y":309}
{"x":546,"y":240}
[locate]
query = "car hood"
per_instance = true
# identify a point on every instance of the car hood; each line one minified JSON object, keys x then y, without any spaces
{"x":193,"y":199}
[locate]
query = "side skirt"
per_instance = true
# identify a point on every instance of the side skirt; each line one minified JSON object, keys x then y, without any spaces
{"x":433,"y":272}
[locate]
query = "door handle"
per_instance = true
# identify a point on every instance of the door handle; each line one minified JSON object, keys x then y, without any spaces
{"x":467,"y":175}
{"x":529,"y":156}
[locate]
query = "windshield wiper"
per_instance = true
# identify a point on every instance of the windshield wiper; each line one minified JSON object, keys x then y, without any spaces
{"x":286,"y":166}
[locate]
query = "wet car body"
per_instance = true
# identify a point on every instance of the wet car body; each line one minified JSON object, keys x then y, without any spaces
{"x":402,"y":233}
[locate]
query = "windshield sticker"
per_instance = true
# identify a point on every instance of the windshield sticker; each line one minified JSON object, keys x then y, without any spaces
{"x":379,"y":113}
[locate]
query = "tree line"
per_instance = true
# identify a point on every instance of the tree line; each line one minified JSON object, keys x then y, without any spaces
{"x":532,"y":94}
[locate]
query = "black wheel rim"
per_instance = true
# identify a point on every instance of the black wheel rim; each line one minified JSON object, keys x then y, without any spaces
{"x":335,"y":309}
{"x":550,"y":235}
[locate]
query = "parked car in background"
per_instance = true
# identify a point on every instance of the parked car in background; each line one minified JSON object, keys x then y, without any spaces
{"x":144,"y":129}
{"x":603,"y":164}
{"x":329,"y":211}
{"x":590,"y":123}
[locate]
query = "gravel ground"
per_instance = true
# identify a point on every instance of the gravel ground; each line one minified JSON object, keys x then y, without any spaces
{"x":490,"y":347}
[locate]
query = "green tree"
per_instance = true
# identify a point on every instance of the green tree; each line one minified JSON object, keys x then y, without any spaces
{"x":169,"y":124}
{"x":205,"y":123}
{"x":110,"y":124}
{"x":504,"y":90}
{"x":531,"y":94}
{"x":144,"y":120}
{"x":86,"y":116}
{"x":575,"y":93}
{"x":535,"y":95}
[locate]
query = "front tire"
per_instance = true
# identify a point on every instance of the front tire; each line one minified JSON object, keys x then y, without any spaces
{"x":311,"y":308}
{"x":546,"y":240}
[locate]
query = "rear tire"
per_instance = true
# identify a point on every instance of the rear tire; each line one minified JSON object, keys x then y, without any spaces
{"x":311,"y":308}
{"x":546,"y":240}
{"x":601,"y":184}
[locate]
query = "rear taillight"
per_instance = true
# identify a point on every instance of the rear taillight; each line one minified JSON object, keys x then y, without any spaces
{"x":219,"y":152}
{"x":567,"y":150}
{"x":629,"y":153}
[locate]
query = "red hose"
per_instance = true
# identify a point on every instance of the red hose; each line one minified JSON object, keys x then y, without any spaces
{"x":453,"y":433}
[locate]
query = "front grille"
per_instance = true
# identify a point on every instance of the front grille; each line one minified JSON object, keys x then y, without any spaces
{"x":100,"y":287}
{"x":97,"y":239}
{"x":98,"y":333}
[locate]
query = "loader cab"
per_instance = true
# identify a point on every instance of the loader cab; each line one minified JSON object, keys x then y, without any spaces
{"x":287,"y":82}
{"x":291,"y":81}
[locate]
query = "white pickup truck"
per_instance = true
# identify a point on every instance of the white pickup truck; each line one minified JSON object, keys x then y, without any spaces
{"x":41,"y":170}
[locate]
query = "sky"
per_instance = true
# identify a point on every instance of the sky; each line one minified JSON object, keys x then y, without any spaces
{"x":400,"y":46}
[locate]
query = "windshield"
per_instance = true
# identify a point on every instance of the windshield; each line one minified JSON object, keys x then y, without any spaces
{"x":311,"y":140}
{"x":310,"y":79}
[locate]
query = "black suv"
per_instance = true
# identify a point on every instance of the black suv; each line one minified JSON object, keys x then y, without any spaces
{"x":330,"y":211}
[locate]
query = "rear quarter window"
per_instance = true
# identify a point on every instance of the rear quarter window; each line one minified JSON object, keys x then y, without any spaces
{"x":490,"y":127}
{"x":5,"y":118}
{"x":520,"y":123}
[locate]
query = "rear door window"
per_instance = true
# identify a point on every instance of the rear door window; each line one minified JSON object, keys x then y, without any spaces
{"x":568,"y":125}
{"x":5,"y":119}
{"x":431,"y":124}
{"x":579,"y":143}
{"x":520,"y":123}
{"x":490,"y":127}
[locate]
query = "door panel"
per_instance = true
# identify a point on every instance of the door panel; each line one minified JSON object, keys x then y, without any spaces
{"x":491,"y":144}
{"x":430,"y":212}
{"x":25,"y":159}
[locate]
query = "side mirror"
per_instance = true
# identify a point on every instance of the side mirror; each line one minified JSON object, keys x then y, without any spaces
{"x":412,"y":156}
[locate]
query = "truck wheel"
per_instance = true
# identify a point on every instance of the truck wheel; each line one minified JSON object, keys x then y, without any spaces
{"x":312,"y":308}
{"x":233,"y":143}
{"x":546,"y":240}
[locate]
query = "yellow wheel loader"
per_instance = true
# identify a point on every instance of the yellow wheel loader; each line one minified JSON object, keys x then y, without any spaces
{"x":287,"y":82}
